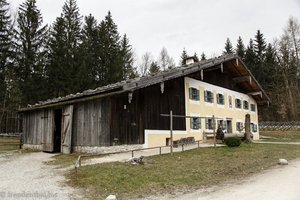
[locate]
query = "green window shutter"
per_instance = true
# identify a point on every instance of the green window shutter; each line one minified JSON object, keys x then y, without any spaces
{"x":190,"y":93}
{"x":198,"y":95}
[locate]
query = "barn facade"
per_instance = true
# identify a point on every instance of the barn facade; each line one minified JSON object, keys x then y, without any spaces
{"x":129,"y":112}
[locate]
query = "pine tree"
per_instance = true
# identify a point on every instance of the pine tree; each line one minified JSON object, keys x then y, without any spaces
{"x":31,"y":54}
{"x":228,"y":47}
{"x":240,"y":48}
{"x":57,"y":73}
{"x":5,"y":56}
{"x":260,"y":46}
{"x":196,"y":58}
{"x":250,"y":57}
{"x":203,"y":56}
{"x":111,"y":60}
{"x":66,"y":74}
{"x":89,"y":50}
{"x":128,"y":70}
{"x":183,"y":57}
{"x":154,"y":68}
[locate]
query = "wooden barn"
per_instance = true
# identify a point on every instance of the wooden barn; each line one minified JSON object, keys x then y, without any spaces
{"x":124,"y":113}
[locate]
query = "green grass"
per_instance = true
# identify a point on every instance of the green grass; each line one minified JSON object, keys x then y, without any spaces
{"x":282,"y":136}
{"x":186,"y":170}
{"x":9,"y":144}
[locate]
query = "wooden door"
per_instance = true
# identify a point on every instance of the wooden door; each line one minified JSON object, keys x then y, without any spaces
{"x":66,"y":129}
{"x":47,"y":128}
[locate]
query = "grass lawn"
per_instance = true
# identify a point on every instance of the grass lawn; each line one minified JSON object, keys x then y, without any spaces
{"x":282,"y":136}
{"x":9,"y":143}
{"x":183,"y":171}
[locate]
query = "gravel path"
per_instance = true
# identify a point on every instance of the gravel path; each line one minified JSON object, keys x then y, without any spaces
{"x":26,"y":176}
{"x":281,"y":182}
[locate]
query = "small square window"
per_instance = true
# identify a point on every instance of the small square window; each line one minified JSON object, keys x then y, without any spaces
{"x":209,"y":123}
{"x":208,"y":96}
{"x":246,"y":105}
{"x":238,"y":103}
{"x":195,"y":123}
{"x":253,"y":107}
{"x":253,"y":127}
{"x":220,"y":99}
{"x":239,"y":126}
{"x":194,"y":94}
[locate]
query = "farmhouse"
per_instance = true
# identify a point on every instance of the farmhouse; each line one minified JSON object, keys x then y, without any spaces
{"x":128,"y":113}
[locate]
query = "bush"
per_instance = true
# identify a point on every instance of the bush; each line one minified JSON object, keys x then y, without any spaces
{"x":233,"y":141}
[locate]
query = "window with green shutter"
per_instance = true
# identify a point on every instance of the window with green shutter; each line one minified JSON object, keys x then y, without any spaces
{"x":220,"y":99}
{"x":208,"y":96}
{"x":194,"y":94}
{"x":195,"y":123}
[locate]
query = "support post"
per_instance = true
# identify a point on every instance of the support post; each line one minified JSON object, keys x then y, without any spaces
{"x":171,"y":131}
{"x":214,"y":129}
{"x":247,"y":129}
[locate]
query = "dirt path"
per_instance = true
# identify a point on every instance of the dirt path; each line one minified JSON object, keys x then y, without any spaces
{"x":26,"y":176}
{"x":281,"y":182}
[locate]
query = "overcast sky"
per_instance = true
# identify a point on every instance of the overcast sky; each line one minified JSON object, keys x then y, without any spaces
{"x":196,"y":25}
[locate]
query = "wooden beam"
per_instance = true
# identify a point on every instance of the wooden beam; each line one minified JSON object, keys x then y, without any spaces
{"x":256,"y":93}
{"x":222,"y":68}
{"x":201,"y":74}
{"x":242,"y":79}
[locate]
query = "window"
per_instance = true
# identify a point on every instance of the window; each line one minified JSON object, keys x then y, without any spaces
{"x":239,"y":126}
{"x":220,"y":99}
{"x":209,"y":123}
{"x":208,"y":96}
{"x":230,"y":101}
{"x":195,"y":123}
{"x":238,"y":103}
{"x":253,"y":107}
{"x":194,"y":94}
{"x":222,"y":123}
{"x":246,"y":105}
{"x":253,"y":127}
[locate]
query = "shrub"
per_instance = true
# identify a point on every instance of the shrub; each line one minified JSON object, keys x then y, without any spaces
{"x":232,"y":141}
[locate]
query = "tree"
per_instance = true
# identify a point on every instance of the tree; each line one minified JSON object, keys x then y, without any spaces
{"x":250,"y":57}
{"x":154,"y":68}
{"x":196,"y":58}
{"x":183,"y":57}
{"x":5,"y":55}
{"x":144,"y":67}
{"x":260,"y":47}
{"x":164,"y":60}
{"x":128,"y":70}
{"x":240,"y":48}
{"x":31,"y":54}
{"x":228,"y":47}
{"x":203,"y":56}
{"x":111,"y":59}
{"x":66,"y":75}
{"x":89,"y":50}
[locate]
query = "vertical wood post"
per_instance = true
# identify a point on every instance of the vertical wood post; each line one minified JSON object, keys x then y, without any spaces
{"x":214,"y":129}
{"x":247,"y":129}
{"x":171,"y":131}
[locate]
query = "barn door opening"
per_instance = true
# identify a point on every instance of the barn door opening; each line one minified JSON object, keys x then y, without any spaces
{"x":57,"y":130}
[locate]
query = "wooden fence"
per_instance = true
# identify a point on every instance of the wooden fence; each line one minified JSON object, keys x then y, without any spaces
{"x":279,"y":126}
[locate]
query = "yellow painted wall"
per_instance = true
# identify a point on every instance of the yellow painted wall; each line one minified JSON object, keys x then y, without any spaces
{"x":205,"y":109}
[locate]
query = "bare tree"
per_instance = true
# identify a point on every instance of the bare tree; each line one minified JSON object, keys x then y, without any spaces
{"x":164,"y":60}
{"x":144,"y":67}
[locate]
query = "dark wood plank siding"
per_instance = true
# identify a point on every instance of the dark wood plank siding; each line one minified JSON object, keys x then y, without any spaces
{"x":91,"y":123}
{"x":130,"y":120}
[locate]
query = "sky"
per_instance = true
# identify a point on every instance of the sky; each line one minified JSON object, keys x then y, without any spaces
{"x":196,"y":25}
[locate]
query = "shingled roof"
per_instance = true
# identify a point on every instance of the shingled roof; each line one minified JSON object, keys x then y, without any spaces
{"x":237,"y":68}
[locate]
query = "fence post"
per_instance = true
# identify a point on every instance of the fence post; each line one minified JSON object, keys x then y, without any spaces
{"x":182,"y":147}
{"x":159,"y":150}
{"x":132,"y":154}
